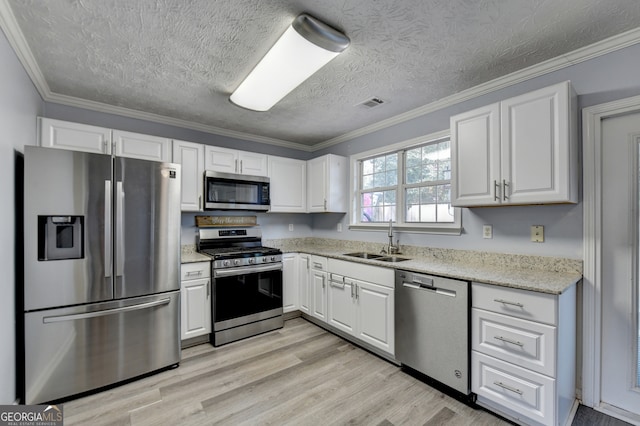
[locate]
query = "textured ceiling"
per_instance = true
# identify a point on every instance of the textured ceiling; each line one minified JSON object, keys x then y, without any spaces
{"x":182,"y":59}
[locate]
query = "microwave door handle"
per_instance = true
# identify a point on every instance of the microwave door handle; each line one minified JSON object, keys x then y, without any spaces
{"x":108,"y":216}
{"x":119,"y":230}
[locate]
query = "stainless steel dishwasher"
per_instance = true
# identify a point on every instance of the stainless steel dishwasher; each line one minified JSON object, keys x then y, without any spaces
{"x":432,"y":327}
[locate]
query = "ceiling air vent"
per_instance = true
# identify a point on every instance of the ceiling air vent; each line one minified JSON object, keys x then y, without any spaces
{"x":372,"y":103}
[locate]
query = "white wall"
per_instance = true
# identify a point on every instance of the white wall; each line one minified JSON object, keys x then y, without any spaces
{"x":19,"y":106}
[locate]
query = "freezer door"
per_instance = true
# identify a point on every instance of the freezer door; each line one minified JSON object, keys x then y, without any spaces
{"x":78,"y":349}
{"x":147,"y":227}
{"x":74,"y":187}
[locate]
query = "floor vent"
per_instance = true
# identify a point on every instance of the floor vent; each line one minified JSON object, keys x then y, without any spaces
{"x":372,"y":103}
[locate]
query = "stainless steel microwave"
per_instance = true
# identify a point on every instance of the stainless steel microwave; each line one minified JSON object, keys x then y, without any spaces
{"x":228,"y":191}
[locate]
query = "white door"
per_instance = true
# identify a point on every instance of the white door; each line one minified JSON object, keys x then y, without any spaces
{"x":304,"y":295}
{"x":195,"y":308}
{"x":341,"y":309}
{"x":252,"y":164}
{"x":620,"y":381}
{"x":191,"y":156}
{"x":376,"y":316}
{"x":289,"y":282}
{"x":319,"y":294}
{"x":316,"y":184}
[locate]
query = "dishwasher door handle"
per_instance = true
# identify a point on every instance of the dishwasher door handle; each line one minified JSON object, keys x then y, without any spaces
{"x":432,"y":289}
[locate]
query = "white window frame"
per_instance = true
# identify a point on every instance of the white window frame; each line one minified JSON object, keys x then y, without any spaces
{"x":355,"y":223}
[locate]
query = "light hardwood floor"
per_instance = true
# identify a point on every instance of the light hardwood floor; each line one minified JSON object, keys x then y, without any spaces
{"x":299,"y":375}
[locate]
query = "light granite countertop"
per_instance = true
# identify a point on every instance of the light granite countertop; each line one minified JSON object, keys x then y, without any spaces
{"x":536,"y":273}
{"x":190,"y":255}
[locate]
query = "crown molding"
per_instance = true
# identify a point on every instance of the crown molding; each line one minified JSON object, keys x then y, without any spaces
{"x":600,"y":48}
{"x":19,"y":44}
{"x":16,"y":39}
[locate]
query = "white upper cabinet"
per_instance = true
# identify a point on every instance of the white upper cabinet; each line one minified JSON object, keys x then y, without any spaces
{"x":82,"y":137}
{"x":191,"y":156}
{"x":143,"y":147}
{"x":288,"y":178}
{"x":520,"y":151}
{"x":74,"y":136}
{"x":326,"y":184}
{"x":226,"y":160}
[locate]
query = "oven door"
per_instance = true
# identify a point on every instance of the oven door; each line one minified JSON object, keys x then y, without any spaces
{"x":246,"y":294}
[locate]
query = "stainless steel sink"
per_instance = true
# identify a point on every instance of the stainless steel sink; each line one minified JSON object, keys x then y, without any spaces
{"x":363,"y":255}
{"x":392,"y":259}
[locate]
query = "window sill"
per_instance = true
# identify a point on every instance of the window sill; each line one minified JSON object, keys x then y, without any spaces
{"x":454,"y":229}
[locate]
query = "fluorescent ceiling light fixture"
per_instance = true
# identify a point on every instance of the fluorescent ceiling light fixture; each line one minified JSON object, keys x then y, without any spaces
{"x":305,"y":47}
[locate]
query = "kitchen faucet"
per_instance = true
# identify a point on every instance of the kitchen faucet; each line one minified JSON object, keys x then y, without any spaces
{"x":391,"y":249}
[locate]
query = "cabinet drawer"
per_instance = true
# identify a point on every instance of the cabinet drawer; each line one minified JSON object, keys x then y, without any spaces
{"x":194,"y":271}
{"x":319,"y":263}
{"x":528,"y":344}
{"x":529,"y":305}
{"x":527,"y":393}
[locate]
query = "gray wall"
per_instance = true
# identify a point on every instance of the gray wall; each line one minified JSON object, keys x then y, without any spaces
{"x":19,"y":106}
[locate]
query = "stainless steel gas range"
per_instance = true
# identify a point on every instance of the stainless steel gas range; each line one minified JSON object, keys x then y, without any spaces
{"x":247,"y":283}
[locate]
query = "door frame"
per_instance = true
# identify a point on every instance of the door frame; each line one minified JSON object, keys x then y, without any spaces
{"x":592,"y":250}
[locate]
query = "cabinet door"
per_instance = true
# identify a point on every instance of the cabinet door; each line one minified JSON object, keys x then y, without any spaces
{"x":375,"y":315}
{"x":195,"y":308}
{"x":221,"y":159}
{"x":341,"y":309}
{"x":317,"y":185}
{"x":74,"y":136}
{"x":191,"y":157}
{"x":304,"y":288}
{"x":290,"y":282}
{"x":319,"y":294}
{"x":143,"y":147}
{"x":288,"y":185}
{"x":252,"y":164}
{"x":475,"y":157}
{"x":535,"y":143}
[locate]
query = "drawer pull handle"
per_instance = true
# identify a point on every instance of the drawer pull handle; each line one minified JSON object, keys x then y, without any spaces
{"x":191,"y":273}
{"x":506,"y":302}
{"x":513,"y":342}
{"x":507,"y":387}
{"x":317,"y":265}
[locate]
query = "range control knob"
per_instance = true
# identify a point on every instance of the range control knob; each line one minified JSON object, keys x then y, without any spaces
{"x":265,"y":259}
{"x":273,"y":258}
{"x":236,"y":262}
{"x":252,"y":260}
{"x":225,"y":263}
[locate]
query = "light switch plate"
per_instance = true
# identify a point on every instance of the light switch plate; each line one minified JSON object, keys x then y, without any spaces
{"x":291,"y":227}
{"x":537,"y":233}
{"x":487,"y":231}
{"x":339,"y":227}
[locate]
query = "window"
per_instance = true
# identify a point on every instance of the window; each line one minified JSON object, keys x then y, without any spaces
{"x":409,"y":184}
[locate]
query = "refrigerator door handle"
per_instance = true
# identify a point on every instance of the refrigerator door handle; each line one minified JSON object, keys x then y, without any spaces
{"x":119,"y":230}
{"x":108,"y":216}
{"x":74,"y":317}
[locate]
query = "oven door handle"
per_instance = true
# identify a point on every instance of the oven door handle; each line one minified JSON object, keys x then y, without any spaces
{"x":246,"y":270}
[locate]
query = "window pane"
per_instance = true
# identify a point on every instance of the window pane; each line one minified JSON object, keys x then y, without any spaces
{"x":378,"y":206}
{"x":367,"y":181}
{"x":392,"y":161}
{"x":367,"y":167}
{"x":392,"y":178}
{"x":413,"y":175}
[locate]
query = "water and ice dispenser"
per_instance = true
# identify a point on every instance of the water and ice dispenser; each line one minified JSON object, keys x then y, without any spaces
{"x":60,"y":237}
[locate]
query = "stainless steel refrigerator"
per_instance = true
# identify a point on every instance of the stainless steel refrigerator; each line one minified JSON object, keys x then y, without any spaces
{"x":101,"y":270}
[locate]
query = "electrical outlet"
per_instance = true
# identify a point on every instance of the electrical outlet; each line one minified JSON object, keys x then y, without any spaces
{"x":537,"y":233}
{"x":487,"y":231}
{"x":339,"y":228}
{"x":291,"y":227}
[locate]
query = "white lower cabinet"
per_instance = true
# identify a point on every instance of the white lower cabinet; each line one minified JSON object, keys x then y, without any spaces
{"x":360,"y":307}
{"x":304,"y":283}
{"x":290,"y":282}
{"x":523,"y":353}
{"x":195,"y":295}
{"x":341,"y":304}
{"x":375,"y":315}
{"x":318,"y":282}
